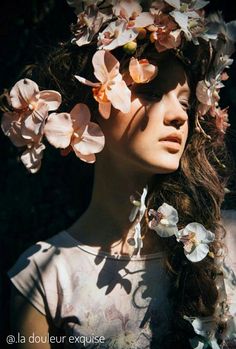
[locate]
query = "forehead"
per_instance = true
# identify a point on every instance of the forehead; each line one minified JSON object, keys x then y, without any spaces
{"x":171,"y":74}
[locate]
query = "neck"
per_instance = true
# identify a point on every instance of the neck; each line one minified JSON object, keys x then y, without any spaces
{"x":106,"y":221}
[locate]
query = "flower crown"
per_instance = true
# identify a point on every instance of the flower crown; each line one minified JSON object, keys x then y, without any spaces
{"x":131,"y":24}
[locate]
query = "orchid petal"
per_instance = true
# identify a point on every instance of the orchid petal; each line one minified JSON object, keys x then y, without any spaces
{"x":80,"y":116}
{"x":23,"y":93}
{"x":92,"y":140}
{"x":58,"y":130}
{"x":87,"y":82}
{"x":120,"y":96}
{"x":51,"y":98}
{"x":181,"y":19}
{"x":33,"y":124}
{"x":199,"y":253}
{"x":119,"y":33}
{"x":174,"y":3}
{"x":200,"y":4}
{"x":105,"y":109}
{"x":86,"y":158}
{"x":126,"y":9}
{"x":7,"y":120}
{"x":106,"y":66}
{"x":142,"y":71}
{"x":199,"y":238}
{"x":165,"y":220}
{"x":11,"y":127}
{"x":143,"y":20}
{"x":31,"y":158}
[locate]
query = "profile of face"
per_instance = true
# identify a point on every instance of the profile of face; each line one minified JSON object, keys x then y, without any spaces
{"x":152,"y":136}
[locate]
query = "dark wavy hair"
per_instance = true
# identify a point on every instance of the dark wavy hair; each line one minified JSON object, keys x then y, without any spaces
{"x":196,"y":189}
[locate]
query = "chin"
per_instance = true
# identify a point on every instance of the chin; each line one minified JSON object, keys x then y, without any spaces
{"x":167,"y":164}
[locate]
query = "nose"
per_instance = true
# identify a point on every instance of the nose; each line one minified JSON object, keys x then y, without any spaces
{"x":175,"y":113}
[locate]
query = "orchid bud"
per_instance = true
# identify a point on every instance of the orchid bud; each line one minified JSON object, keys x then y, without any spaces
{"x":130,"y":47}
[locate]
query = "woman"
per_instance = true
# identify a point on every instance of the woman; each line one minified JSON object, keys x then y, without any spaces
{"x":142,"y":267}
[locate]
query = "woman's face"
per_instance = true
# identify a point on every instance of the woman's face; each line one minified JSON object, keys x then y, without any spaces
{"x":152,"y":136}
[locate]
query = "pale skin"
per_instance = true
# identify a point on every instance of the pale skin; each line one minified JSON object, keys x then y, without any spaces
{"x":137,"y":147}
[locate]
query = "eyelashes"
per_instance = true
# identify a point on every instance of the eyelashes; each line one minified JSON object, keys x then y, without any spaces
{"x":185,"y":105}
{"x":156,"y":97}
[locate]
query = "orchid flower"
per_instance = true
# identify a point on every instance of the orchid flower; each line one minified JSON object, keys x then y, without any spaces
{"x":139,"y":206}
{"x":164,"y":220}
{"x":164,"y":31}
{"x":32,"y":107}
{"x":116,"y":34}
{"x":88,"y":25}
{"x":136,"y":216}
{"x":195,"y":238}
{"x":141,"y":71}
{"x":131,"y":12}
{"x":187,"y":15}
{"x":112,"y":89}
{"x":76,"y":131}
{"x":126,"y":27}
{"x":207,"y":93}
{"x":24,"y":126}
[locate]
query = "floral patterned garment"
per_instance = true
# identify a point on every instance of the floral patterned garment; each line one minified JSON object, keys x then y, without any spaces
{"x":88,"y":293}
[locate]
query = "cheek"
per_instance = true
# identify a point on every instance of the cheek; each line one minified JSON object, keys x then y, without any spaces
{"x":119,"y":125}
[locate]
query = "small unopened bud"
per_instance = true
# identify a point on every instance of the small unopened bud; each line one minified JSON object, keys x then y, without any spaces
{"x":130,"y":47}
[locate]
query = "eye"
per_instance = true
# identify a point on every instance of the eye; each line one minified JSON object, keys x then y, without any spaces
{"x":185,"y":104}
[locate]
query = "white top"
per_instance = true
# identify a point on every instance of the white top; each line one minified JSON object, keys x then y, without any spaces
{"x":110,"y":301}
{"x":91,"y":293}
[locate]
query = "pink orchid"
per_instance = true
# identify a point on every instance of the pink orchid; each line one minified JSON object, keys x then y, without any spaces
{"x":141,"y":71}
{"x":131,"y":12}
{"x":116,"y":34}
{"x":126,"y":28}
{"x":168,"y":40}
{"x":32,"y":106}
{"x":88,"y":24}
{"x":11,"y":126}
{"x":164,"y":32}
{"x":222,"y":118}
{"x":24,"y":126}
{"x":207,"y":93}
{"x":75,"y":131}
{"x":112,"y":89}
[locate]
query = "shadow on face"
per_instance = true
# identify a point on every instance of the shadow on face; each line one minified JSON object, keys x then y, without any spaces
{"x":171,"y":72}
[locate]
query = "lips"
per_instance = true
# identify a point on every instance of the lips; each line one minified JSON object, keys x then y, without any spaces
{"x":174,"y":138}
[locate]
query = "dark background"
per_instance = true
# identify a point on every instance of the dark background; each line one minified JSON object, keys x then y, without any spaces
{"x":34,"y":207}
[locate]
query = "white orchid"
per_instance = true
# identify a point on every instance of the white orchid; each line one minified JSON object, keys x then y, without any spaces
{"x":164,"y":220}
{"x":196,"y":239}
{"x":136,"y":216}
{"x":88,"y":25}
{"x":186,"y":15}
{"x":139,"y":206}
